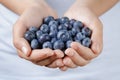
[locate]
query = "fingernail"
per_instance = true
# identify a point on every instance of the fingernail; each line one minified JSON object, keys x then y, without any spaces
{"x":24,"y":50}
{"x":58,"y":63}
{"x":50,"y":54}
{"x":70,"y":54}
{"x":65,"y":61}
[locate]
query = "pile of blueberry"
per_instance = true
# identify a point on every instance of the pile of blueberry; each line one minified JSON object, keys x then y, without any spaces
{"x":58,"y":34}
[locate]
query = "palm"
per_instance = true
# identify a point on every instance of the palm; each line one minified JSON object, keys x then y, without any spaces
{"x":32,"y":16}
{"x":83,"y":55}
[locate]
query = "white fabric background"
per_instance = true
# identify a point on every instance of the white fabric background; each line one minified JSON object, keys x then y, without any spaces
{"x":104,"y":67}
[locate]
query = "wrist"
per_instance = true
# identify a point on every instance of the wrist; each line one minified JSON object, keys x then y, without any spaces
{"x":20,"y":6}
{"x":84,"y":6}
{"x":99,"y":7}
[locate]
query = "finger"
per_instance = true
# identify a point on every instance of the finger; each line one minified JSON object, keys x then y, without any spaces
{"x":56,"y":63}
{"x":59,"y":53}
{"x":95,"y":25}
{"x":19,"y":42}
{"x":41,"y":54}
{"x":84,"y":52}
{"x":76,"y":58}
{"x":45,"y":62}
{"x":97,"y":37}
{"x":20,"y":54}
{"x":69,"y":63}
{"x":63,"y":68}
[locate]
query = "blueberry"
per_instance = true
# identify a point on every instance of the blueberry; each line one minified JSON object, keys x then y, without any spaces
{"x":53,"y":28}
{"x":53,"y":40}
{"x":53,"y":33}
{"x":72,"y":22}
{"x":58,"y":20}
{"x":64,"y":20}
{"x":39,"y":33}
{"x":33,"y":29}
{"x":86,"y":31}
{"x":29,"y":35}
{"x":53,"y":22}
{"x":86,"y":42}
{"x":44,"y":28}
{"x":77,"y":41}
{"x":48,"y":19}
{"x":68,"y":26}
{"x":70,"y":33}
{"x":68,"y":44}
{"x":78,"y":24}
{"x":80,"y":36}
{"x":34,"y":44}
{"x":47,"y":45}
{"x":74,"y":31}
{"x":43,"y":38}
{"x":58,"y":34}
{"x":63,"y":35}
{"x":58,"y":45}
{"x":62,"y":27}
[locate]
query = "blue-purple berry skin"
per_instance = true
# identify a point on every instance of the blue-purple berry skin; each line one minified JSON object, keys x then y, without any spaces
{"x":48,"y":19}
{"x":53,"y":34}
{"x":68,"y":26}
{"x":86,"y":31}
{"x":39,"y":33}
{"x":29,"y":35}
{"x":64,"y":20}
{"x":58,"y":20}
{"x":68,"y":43}
{"x":45,"y":28}
{"x":53,"y":22}
{"x":53,"y":28}
{"x":58,"y":45}
{"x":80,"y":36}
{"x":78,"y":24}
{"x":72,"y":22}
{"x":86,"y":42}
{"x":43,"y":38}
{"x":34,"y":44}
{"x":47,"y":45}
{"x":33,"y":29}
{"x":62,"y":27}
{"x":53,"y":40}
{"x":74,"y":31}
{"x":63,"y":35}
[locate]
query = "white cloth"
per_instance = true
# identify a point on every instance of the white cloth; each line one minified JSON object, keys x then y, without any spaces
{"x":104,"y":67}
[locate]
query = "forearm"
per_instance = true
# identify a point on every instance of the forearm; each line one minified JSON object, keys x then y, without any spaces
{"x":98,"y":6}
{"x":18,"y":6}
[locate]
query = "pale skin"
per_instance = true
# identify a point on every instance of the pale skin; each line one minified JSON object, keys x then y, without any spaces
{"x":87,"y":11}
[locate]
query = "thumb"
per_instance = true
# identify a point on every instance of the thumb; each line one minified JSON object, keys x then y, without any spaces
{"x":18,"y":39}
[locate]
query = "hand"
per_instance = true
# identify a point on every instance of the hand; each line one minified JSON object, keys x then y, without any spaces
{"x":79,"y":55}
{"x":33,"y":16}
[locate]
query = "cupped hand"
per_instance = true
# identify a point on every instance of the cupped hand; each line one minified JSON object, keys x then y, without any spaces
{"x":79,"y":55}
{"x":33,"y":16}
